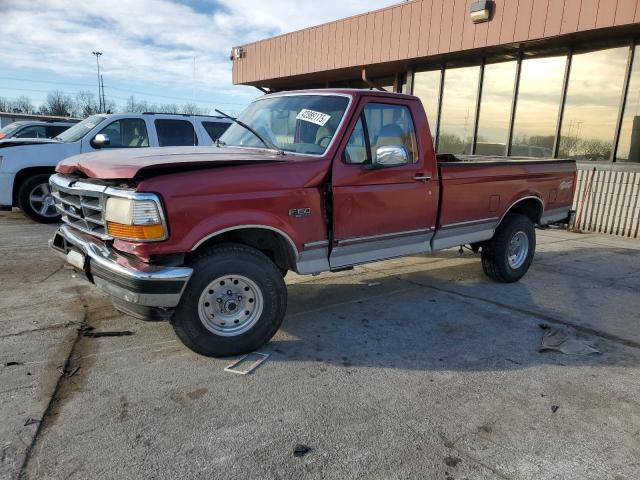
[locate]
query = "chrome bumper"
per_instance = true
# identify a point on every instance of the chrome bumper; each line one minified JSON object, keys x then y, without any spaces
{"x":124,"y":278}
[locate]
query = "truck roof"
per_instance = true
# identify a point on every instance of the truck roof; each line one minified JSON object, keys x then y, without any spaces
{"x":353,"y":92}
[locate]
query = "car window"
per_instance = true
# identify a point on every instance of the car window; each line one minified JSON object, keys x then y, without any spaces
{"x":34,"y":131}
{"x":127,"y":133}
{"x":381,"y":125}
{"x":215,"y":129}
{"x":55,"y":130}
{"x":175,"y":133}
{"x":390,"y":125}
{"x":356,"y":150}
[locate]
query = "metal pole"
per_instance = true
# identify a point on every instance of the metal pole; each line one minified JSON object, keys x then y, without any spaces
{"x":97,"y":54}
{"x":476,"y":114}
{"x":563,"y":99}
{"x":439,"y":113}
{"x":514,"y":105}
{"x":623,"y":101}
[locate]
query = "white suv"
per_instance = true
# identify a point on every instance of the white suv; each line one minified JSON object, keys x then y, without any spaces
{"x":27,"y":163}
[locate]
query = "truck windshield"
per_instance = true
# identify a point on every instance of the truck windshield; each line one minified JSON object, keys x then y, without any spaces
{"x":79,"y":130}
{"x":292,"y":123}
{"x":8,"y":130}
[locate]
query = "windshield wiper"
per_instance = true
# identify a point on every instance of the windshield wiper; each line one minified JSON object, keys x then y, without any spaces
{"x":266,"y":143}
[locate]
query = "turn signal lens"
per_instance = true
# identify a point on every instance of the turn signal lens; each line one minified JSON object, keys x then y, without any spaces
{"x":135,"y":218}
{"x":136,"y":232}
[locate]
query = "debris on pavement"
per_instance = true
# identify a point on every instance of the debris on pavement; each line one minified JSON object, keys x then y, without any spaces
{"x":31,"y":421}
{"x":122,"y":333}
{"x":13,"y":364}
{"x":554,"y":408}
{"x":563,"y":339}
{"x":247,"y":363}
{"x":452,"y":461}
{"x":68,"y":373}
{"x":301,"y":450}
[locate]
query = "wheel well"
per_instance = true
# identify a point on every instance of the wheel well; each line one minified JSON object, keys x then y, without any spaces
{"x":530,"y":207}
{"x":273,"y":244}
{"x":25,"y":173}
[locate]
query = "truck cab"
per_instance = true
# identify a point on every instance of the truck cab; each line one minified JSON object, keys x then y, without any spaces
{"x":306,"y":181}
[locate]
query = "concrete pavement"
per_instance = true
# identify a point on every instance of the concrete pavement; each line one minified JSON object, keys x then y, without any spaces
{"x":410,"y":368}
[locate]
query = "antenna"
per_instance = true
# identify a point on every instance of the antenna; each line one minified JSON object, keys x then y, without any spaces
{"x":193,"y":113}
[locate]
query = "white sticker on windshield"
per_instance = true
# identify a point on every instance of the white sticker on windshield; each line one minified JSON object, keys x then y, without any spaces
{"x":312,"y":116}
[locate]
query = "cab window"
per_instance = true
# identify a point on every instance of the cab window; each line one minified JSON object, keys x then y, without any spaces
{"x":127,"y":133}
{"x":381,"y":125}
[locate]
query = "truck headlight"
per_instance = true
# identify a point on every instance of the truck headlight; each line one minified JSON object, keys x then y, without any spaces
{"x":135,"y":219}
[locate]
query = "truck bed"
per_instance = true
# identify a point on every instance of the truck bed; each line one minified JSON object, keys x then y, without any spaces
{"x":477,"y":190}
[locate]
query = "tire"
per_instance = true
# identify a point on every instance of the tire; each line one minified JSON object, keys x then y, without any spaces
{"x":213,"y":322}
{"x":43,"y":209}
{"x":508,"y":255}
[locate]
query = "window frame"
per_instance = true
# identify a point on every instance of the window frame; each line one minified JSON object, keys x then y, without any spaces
{"x":146,"y":131}
{"x":365,"y":130}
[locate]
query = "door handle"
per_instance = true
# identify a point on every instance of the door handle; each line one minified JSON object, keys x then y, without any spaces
{"x":419,"y":177}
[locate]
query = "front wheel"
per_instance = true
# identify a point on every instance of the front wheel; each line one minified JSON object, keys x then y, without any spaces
{"x":36,"y":201}
{"x":508,"y":255}
{"x":234,"y":303}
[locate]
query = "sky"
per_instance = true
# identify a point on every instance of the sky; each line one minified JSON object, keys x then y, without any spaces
{"x":148,"y":46}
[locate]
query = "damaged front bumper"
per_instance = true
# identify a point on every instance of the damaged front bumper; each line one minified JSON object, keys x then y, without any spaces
{"x":134,"y":285}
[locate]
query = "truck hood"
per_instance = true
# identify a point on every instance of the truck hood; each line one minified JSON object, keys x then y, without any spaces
{"x":146,"y":162}
{"x":17,"y":142}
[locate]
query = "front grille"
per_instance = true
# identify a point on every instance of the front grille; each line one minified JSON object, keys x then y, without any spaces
{"x":80,"y":204}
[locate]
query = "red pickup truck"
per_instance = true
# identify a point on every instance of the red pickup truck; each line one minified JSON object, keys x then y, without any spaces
{"x":308,"y":181}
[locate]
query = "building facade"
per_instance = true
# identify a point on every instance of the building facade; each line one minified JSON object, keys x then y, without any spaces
{"x":541,"y":78}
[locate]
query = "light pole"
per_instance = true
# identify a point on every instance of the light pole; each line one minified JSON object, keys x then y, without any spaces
{"x":97,"y":54}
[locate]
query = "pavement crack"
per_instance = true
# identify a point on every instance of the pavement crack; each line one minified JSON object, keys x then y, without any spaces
{"x":57,"y":326}
{"x":48,"y":414}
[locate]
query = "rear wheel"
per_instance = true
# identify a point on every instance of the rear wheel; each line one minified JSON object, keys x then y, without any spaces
{"x":508,"y":255}
{"x":234,"y":302}
{"x":36,"y":201}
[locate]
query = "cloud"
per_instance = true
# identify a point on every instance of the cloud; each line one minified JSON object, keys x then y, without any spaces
{"x":153,"y":41}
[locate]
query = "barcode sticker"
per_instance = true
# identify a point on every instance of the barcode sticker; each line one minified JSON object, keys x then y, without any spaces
{"x":312,"y":116}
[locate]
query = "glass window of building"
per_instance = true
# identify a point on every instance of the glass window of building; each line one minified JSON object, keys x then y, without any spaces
{"x":629,"y":143}
{"x":591,"y":108}
{"x":426,"y":86}
{"x":537,"y":106}
{"x":495,"y":108}
{"x":457,"y":117}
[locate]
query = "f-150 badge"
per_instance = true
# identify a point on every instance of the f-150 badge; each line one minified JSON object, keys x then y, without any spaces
{"x":566,"y":184}
{"x":300,"y":212}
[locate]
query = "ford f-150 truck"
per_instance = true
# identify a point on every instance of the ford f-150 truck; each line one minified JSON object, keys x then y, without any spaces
{"x":309,"y":181}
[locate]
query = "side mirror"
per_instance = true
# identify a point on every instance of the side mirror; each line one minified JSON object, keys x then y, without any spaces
{"x":100,"y":140}
{"x":391,"y":156}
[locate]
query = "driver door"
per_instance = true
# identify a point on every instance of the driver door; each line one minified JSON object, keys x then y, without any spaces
{"x":382,"y":210}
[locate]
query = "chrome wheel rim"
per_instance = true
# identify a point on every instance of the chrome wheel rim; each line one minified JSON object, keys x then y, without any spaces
{"x":518,"y":250}
{"x":230,"y":305}
{"x":41,"y":201}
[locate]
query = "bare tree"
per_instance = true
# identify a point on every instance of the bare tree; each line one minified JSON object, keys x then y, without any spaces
{"x":191,"y":109}
{"x":58,"y":104}
{"x":85,"y":104}
{"x":21,"y":105}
